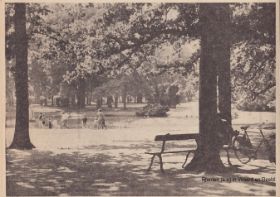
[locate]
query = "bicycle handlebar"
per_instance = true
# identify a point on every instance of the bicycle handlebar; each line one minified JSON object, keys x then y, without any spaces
{"x":245,"y":127}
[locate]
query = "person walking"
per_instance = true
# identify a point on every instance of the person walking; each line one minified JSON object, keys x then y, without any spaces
{"x":42,"y":120}
{"x":64,"y":119}
{"x":84,"y":120}
{"x":100,"y":119}
{"x":50,"y":124}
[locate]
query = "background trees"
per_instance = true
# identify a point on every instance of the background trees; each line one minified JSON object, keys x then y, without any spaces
{"x":85,"y":40}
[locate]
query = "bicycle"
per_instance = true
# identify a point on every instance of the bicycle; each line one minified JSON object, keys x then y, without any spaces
{"x":244,"y":149}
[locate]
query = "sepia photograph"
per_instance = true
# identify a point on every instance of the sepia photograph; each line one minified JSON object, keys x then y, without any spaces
{"x":140,"y":99}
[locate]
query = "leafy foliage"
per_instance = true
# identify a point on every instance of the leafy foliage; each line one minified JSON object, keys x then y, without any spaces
{"x":137,"y":43}
{"x":253,"y":56}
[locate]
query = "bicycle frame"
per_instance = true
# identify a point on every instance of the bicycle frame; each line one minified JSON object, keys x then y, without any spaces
{"x":263,"y":141}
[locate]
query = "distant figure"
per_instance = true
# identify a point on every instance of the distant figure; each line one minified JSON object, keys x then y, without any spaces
{"x":84,"y":120}
{"x":40,"y":116}
{"x":42,"y":119}
{"x":64,"y":119}
{"x":100,"y":119}
{"x":50,"y":123}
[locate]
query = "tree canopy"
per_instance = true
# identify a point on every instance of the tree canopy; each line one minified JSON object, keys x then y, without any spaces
{"x":72,"y":43}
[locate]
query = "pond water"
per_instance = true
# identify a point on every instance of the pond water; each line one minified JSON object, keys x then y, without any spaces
{"x":113,"y":119}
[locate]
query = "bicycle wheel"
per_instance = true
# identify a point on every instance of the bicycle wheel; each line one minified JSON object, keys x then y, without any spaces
{"x":270,"y":149}
{"x":242,"y":152}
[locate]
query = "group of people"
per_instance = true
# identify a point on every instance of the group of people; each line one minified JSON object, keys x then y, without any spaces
{"x":44,"y":121}
{"x":99,"y":122}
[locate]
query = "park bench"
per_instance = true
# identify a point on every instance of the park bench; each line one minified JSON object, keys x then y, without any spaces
{"x":172,"y":137}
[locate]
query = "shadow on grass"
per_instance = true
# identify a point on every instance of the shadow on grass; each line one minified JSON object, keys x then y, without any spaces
{"x":35,"y":172}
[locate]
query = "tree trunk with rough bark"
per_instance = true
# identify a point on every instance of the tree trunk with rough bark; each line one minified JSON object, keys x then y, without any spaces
{"x":224,"y":82}
{"x":21,"y":138}
{"x":207,"y":157}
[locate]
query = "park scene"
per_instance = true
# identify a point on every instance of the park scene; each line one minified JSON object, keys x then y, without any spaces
{"x":140,"y":99}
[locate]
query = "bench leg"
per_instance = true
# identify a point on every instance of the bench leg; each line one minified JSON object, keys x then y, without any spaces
{"x":187,"y":156}
{"x":152,"y":161}
{"x":160,"y":163}
{"x":229,"y":163}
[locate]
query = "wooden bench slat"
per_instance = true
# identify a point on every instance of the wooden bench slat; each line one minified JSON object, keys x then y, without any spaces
{"x":169,"y":137}
{"x":179,"y":151}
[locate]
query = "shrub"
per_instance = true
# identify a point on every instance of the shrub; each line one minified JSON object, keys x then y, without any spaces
{"x":153,"y":110}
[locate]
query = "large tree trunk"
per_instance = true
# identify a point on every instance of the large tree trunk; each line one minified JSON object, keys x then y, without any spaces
{"x":207,"y":157}
{"x":81,"y":93}
{"x":21,"y":138}
{"x":224,"y":83}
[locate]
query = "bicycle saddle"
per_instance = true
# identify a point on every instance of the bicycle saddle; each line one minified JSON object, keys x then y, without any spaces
{"x":245,"y":127}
